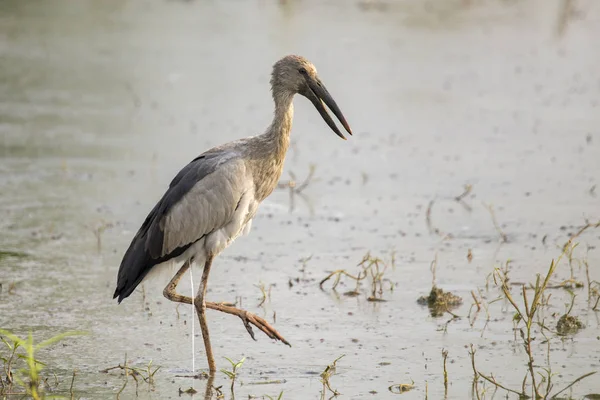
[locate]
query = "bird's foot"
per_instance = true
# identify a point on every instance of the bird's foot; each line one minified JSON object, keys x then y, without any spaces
{"x":249,"y":319}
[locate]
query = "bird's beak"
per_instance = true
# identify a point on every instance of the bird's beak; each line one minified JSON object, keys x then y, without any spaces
{"x":318,"y":95}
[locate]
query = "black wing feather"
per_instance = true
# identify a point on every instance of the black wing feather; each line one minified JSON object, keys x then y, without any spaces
{"x":145,"y":250}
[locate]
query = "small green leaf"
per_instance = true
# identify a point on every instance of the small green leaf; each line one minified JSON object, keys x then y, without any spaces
{"x":239,"y":363}
{"x":11,"y":336}
{"x":27,"y":357}
{"x":228,"y":373}
{"x":231,"y":362}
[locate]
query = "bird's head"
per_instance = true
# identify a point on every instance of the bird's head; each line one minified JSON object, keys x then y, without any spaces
{"x":295,"y":74}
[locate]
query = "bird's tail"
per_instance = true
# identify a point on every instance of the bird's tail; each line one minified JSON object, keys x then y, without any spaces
{"x":134,"y":267}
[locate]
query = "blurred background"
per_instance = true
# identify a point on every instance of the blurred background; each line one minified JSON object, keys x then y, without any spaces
{"x":102,"y":102}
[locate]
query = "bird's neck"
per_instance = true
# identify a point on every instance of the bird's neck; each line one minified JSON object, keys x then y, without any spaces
{"x":278,"y":133}
{"x":269,"y":149}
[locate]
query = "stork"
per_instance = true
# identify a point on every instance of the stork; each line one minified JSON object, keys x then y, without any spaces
{"x":214,"y":198}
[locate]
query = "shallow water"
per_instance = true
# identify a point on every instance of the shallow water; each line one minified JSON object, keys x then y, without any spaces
{"x":103,"y":102}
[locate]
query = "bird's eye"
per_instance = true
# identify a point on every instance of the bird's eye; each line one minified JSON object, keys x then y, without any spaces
{"x":302,"y":71}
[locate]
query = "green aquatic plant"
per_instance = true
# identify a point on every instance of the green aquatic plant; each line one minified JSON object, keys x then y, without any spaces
{"x":329,"y":371}
{"x":525,"y":318}
{"x":147,"y":374}
{"x":22,"y":368}
{"x":265,"y":292}
{"x":234,"y":368}
{"x":373,"y":267}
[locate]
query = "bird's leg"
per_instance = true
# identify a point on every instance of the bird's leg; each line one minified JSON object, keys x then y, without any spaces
{"x":246,"y":317}
{"x":249,"y":318}
{"x":169,"y":291}
{"x":200,"y":305}
{"x":208,"y":392}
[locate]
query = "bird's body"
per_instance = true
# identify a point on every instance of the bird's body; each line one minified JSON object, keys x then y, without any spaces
{"x":214,"y":198}
{"x":195,"y":216}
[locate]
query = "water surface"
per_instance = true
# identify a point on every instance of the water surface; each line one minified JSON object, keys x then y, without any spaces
{"x":103,"y":102}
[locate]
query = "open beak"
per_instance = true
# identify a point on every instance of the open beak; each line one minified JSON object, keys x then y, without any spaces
{"x":318,"y":95}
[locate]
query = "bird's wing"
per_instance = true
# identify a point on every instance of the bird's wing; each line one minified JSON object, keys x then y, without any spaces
{"x":201,"y":199}
{"x":208,"y":206}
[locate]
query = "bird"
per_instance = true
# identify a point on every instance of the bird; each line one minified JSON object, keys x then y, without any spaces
{"x":214,"y":198}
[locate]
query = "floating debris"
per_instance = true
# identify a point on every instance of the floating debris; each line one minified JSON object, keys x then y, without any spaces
{"x":439,"y":301}
{"x":191,"y":391}
{"x":569,"y":325}
{"x":400,"y":388}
